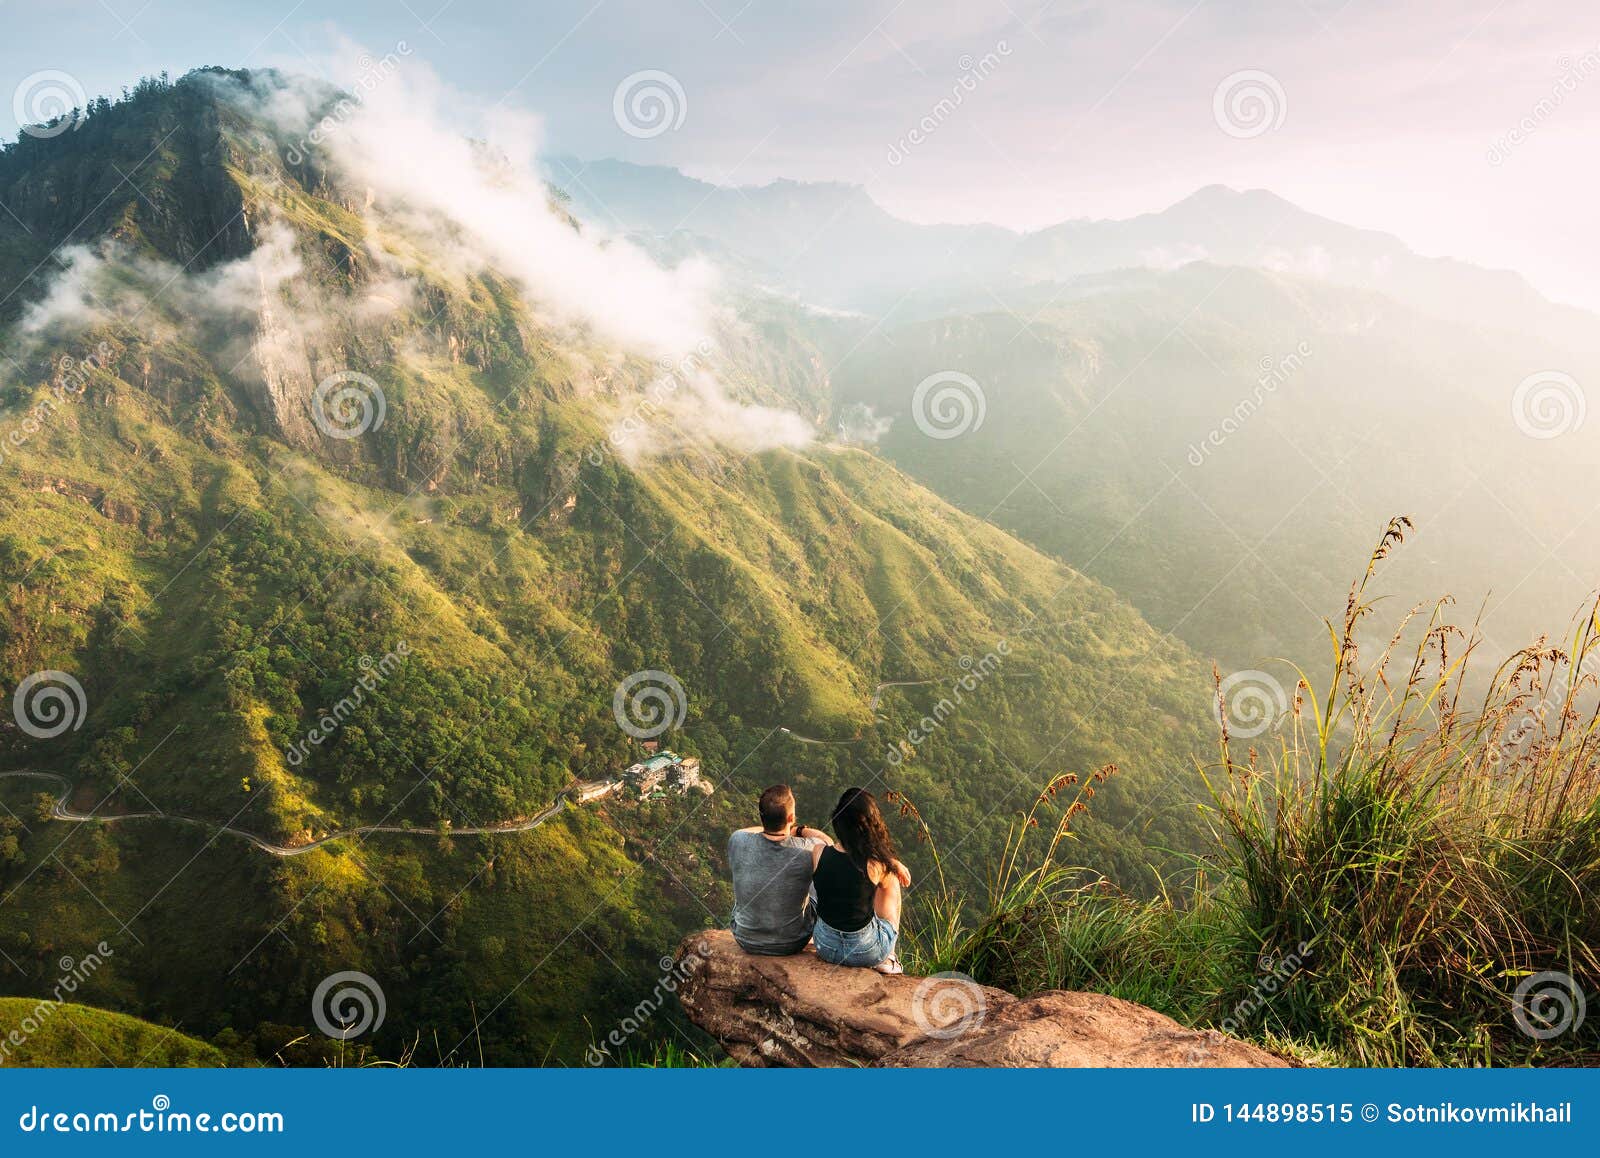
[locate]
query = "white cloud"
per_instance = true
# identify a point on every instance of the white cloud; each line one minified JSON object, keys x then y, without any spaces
{"x":96,"y":285}
{"x":451,"y":188}
{"x":481,"y":204}
{"x":70,"y":302}
{"x":709,"y":411}
{"x":862,"y":425}
{"x":460,"y":180}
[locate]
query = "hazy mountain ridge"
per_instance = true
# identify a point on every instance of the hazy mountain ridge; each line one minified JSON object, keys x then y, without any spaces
{"x":1217,"y":444}
{"x":834,"y":245}
{"x":1210,"y":408}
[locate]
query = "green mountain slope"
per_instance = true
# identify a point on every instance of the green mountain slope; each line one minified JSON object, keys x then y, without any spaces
{"x":425,"y":626}
{"x":1217,"y":444}
{"x":79,"y":1035}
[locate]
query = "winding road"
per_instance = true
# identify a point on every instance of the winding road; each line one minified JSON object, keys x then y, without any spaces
{"x":872,"y":705}
{"x":877,"y":698}
{"x":877,"y":692}
{"x":564,"y":800}
{"x":62,"y":812}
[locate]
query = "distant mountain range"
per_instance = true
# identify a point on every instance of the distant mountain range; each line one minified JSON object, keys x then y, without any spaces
{"x":1212,"y":408}
{"x":832,"y":245}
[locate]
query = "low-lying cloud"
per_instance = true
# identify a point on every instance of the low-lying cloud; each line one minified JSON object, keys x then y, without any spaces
{"x":451,"y":189}
{"x":480,"y":202}
{"x":462,"y":180}
{"x":104,"y":283}
{"x":861,"y":425}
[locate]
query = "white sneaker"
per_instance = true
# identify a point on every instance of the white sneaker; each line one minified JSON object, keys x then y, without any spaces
{"x":890,"y":965}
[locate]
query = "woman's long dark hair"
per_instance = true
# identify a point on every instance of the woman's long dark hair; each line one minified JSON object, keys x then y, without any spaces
{"x":859,"y":827}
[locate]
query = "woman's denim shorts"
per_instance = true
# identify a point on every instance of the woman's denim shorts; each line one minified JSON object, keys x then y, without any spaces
{"x":866,"y":946}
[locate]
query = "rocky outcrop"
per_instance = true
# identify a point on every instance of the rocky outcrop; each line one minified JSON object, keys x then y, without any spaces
{"x":1061,"y":1029}
{"x":116,"y":509}
{"x":797,"y":1011}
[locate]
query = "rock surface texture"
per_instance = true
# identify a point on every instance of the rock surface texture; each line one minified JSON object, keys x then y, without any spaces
{"x":797,"y":1011}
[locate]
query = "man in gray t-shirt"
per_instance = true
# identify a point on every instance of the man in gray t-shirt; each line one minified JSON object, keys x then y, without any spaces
{"x":771,"y":865}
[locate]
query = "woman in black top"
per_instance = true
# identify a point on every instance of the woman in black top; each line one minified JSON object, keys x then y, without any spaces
{"x":858,"y":888}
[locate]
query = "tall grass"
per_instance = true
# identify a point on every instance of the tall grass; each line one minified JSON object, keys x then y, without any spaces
{"x":1390,"y":867}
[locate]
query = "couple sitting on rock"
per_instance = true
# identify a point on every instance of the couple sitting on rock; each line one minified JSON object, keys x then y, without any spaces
{"x":792,"y":883}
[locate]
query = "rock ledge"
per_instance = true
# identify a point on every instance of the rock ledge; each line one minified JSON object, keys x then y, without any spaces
{"x":797,"y":1011}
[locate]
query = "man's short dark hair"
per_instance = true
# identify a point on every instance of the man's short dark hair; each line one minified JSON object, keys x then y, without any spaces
{"x":777,"y":806}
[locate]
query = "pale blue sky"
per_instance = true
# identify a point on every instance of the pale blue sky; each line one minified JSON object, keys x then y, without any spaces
{"x":1390,"y":112}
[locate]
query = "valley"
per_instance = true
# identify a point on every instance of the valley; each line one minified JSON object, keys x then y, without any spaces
{"x":369,"y":536}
